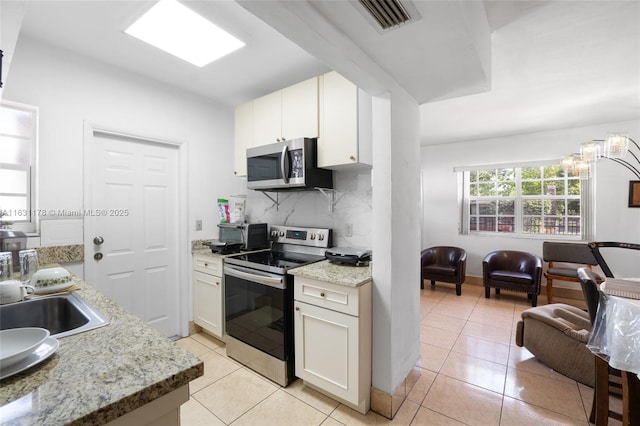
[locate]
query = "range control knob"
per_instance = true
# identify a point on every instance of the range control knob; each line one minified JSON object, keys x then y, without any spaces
{"x":281,"y":233}
{"x":274,"y":233}
{"x":320,"y":237}
{"x":313,"y":236}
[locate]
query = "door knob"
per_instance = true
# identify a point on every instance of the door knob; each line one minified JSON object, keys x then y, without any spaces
{"x":98,"y":240}
{"x":97,"y":256}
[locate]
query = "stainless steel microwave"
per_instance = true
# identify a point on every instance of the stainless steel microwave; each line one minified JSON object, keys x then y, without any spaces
{"x":289,"y":165}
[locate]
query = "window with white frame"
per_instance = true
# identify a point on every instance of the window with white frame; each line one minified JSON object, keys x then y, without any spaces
{"x":526,"y":200}
{"x":18,"y":132}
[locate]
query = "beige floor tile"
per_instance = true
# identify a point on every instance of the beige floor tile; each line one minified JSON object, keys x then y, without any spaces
{"x":519,"y":413}
{"x":488,"y":332}
{"x":234,"y":394}
{"x":347,"y":416}
{"x":405,"y":414}
{"x":432,"y":357}
{"x":215,"y":367}
{"x":422,"y":386}
{"x":281,"y":409}
{"x":555,"y":395}
{"x":476,"y":371}
{"x":193,"y":346}
{"x":463,"y":402}
{"x":330,"y":421}
{"x":586,"y":393}
{"x":426,"y":417}
{"x":192,"y":413}
{"x":207,"y":340}
{"x":312,"y":397}
{"x":491,"y":316}
{"x":443,"y":322}
{"x":521,"y":359}
{"x":438,"y":337}
{"x":457,"y":310}
{"x":483,"y":349}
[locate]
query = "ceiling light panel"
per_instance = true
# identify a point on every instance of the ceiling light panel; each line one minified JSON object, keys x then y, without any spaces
{"x":178,"y":30}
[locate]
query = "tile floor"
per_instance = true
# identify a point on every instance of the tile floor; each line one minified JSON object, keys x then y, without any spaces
{"x":472,"y":373}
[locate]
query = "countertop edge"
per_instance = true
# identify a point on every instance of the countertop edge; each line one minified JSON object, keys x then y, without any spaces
{"x":348,"y":276}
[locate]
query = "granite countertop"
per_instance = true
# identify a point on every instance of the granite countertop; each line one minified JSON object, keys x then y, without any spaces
{"x":96,"y":376}
{"x":350,"y":276}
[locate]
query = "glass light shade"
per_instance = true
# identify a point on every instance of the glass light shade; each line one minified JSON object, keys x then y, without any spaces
{"x":616,"y":145}
{"x":582,"y":168}
{"x":590,"y":151}
{"x":568,"y":163}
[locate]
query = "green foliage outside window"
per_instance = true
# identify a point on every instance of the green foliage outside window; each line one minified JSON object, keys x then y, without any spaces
{"x":528,"y":200}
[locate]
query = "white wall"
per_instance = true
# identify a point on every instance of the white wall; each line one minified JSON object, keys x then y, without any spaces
{"x":71,"y":89}
{"x":614,"y":220}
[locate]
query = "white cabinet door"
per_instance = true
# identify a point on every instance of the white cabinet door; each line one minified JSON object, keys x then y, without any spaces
{"x":267,"y":119}
{"x":326,"y":348}
{"x":300,"y":110}
{"x":207,"y":302}
{"x":243,"y":137}
{"x":337,"y":143}
{"x":345,"y":123}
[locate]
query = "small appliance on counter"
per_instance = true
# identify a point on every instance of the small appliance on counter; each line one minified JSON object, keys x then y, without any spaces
{"x":236,"y":237}
{"x":222,"y":247}
{"x":351,"y":256}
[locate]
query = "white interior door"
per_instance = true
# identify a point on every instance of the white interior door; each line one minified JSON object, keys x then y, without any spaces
{"x":132,"y":206}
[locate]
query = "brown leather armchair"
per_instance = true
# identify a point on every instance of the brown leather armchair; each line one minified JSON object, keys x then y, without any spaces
{"x":512,"y":270}
{"x":445,"y":264}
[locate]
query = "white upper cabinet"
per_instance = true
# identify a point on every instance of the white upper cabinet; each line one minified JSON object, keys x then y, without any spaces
{"x":287,"y":114}
{"x":345,"y":123}
{"x":300,"y":110}
{"x":243,"y":137}
{"x":267,"y":119}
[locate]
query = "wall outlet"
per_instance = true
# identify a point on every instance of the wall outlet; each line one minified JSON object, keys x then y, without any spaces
{"x":198,"y":225}
{"x":348,"y":230}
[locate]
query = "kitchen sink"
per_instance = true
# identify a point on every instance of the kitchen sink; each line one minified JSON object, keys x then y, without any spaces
{"x":62,"y":314}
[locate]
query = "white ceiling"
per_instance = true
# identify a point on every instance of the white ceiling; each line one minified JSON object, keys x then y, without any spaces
{"x":506,"y":68}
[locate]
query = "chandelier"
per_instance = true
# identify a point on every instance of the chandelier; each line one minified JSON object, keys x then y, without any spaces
{"x":614,"y":148}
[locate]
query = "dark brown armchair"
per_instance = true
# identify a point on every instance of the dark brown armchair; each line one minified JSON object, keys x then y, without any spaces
{"x":445,"y":264}
{"x":512,"y":270}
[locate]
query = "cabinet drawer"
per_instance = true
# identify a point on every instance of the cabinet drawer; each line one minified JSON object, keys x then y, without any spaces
{"x":327,"y":295}
{"x":208,"y":264}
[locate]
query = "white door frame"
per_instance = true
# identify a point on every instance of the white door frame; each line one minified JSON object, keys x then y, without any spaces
{"x":184,"y":248}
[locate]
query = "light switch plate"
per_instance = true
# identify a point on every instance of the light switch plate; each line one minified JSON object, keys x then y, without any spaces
{"x":348,"y":230}
{"x":198,"y":225}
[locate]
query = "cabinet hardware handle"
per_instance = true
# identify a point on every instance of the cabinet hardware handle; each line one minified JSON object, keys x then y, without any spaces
{"x":352,"y":158}
{"x":297,"y":308}
{"x":217,"y":283}
{"x":321,"y":294}
{"x":206,"y":265}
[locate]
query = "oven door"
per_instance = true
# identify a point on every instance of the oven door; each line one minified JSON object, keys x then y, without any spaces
{"x":259,"y":310}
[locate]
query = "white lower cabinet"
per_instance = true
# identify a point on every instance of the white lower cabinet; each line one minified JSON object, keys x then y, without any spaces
{"x":208,"y":294}
{"x":333,"y":340}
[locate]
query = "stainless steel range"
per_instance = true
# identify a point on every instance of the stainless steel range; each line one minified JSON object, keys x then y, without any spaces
{"x":259,"y":300}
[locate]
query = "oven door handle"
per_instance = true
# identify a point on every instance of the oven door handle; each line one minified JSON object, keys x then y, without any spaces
{"x":255,"y":276}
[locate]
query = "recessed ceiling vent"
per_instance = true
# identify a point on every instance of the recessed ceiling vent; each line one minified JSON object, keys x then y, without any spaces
{"x":387,"y":13}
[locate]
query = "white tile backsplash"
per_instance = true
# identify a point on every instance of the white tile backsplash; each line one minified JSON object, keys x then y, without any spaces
{"x":311,"y":208}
